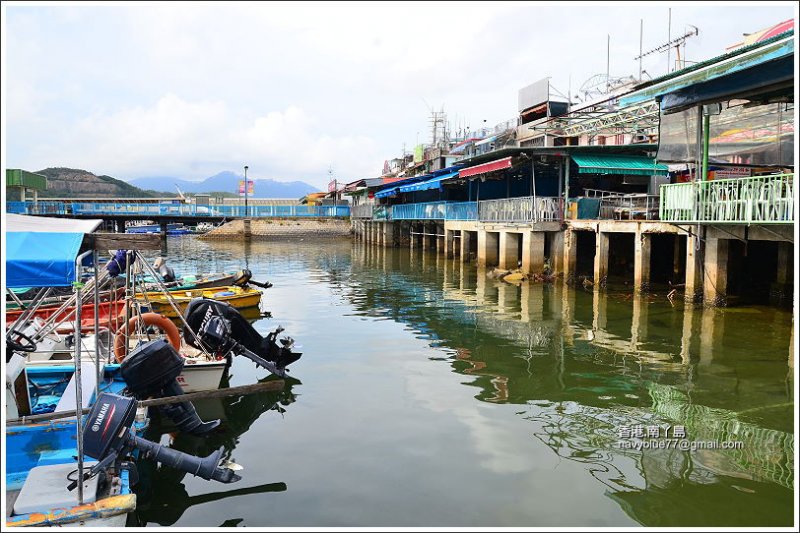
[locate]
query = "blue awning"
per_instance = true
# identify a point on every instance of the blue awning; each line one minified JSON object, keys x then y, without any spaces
{"x":389,"y":191}
{"x":432,"y":183}
{"x":41,"y":259}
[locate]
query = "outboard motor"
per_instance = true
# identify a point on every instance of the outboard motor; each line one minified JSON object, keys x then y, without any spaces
{"x":222,"y":329}
{"x":244,"y":276}
{"x":108,"y":437}
{"x":150,"y":370}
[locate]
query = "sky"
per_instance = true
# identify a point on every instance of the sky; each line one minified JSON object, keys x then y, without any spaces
{"x":292,"y":90}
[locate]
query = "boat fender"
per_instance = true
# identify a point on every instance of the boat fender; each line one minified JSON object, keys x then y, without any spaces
{"x":150,"y":319}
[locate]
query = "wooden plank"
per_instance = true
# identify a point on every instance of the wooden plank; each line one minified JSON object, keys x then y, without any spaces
{"x":126,"y":241}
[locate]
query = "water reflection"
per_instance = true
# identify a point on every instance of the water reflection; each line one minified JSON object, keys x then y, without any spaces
{"x":162,"y":496}
{"x":587,"y":363}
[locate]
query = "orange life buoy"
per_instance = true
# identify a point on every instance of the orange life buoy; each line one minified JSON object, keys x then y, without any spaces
{"x":150,"y":319}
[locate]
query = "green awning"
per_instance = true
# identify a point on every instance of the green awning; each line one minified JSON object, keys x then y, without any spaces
{"x":629,"y":165}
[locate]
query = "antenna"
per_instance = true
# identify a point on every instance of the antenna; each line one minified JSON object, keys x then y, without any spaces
{"x":180,"y":193}
{"x":677,"y":42}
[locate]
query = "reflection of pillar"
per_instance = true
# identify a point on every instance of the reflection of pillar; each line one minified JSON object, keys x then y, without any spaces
{"x":599,"y":304}
{"x":413,"y":237}
{"x":533,"y":252}
{"x":694,"y":270}
{"x":440,"y":239}
{"x":638,"y":321}
{"x":687,"y":333}
{"x":487,"y":248}
{"x":448,"y":242}
{"x":715,"y":281}
{"x":791,"y":346}
{"x":532,"y":302}
{"x":710,"y":334}
{"x":508,"y":250}
{"x":464,"y":245}
{"x":568,"y":313}
{"x":600,"y":259}
{"x":641,"y":261}
{"x":570,"y":254}
{"x":480,"y":287}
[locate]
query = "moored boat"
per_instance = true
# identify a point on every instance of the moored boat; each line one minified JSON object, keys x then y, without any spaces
{"x":238,"y":297}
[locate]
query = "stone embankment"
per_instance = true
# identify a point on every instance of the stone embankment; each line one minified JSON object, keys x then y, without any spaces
{"x":282,"y":229}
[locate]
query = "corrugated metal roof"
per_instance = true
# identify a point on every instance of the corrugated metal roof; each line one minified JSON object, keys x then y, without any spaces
{"x":619,"y":164}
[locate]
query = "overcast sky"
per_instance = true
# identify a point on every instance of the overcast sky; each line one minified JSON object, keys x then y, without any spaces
{"x":189,"y":90}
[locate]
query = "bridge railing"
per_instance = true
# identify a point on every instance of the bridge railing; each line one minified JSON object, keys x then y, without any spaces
{"x":755,"y":200}
{"x":423,"y":211}
{"x":522,"y":209}
{"x":176,"y":210}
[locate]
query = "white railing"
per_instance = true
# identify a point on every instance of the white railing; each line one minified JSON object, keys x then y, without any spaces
{"x":361,"y":211}
{"x":522,"y":209}
{"x":756,"y":200}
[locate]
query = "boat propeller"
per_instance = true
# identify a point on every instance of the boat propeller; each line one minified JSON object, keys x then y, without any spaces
{"x":151,"y":370}
{"x":108,"y":437}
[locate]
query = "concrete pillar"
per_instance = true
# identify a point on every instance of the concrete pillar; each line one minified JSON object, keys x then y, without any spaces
{"x":570,"y":254}
{"x":533,"y":252}
{"x":487,"y":248}
{"x":693,"y":291}
{"x":641,"y":261}
{"x":119,"y":226}
{"x":448,"y":243}
{"x":508,"y":250}
{"x":163,"y":230}
{"x":784,"y":263}
{"x":556,"y":258}
{"x":600,"y":259}
{"x":464,"y":245}
{"x":715,"y":279}
{"x":441,"y":245}
{"x":388,"y":233}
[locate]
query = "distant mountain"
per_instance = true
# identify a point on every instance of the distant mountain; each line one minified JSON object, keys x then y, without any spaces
{"x":227,"y":181}
{"x":76,"y":183}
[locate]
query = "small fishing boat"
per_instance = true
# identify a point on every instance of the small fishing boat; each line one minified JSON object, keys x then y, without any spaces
{"x":238,"y":297}
{"x":108,"y":313}
{"x":177,"y":228}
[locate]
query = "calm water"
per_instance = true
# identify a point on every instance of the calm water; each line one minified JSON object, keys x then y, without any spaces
{"x":429,"y":395}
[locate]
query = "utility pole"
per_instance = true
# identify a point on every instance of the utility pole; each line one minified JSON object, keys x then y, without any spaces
{"x":245,"y":191}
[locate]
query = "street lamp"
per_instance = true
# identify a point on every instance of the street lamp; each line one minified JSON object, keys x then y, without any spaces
{"x":245,"y":191}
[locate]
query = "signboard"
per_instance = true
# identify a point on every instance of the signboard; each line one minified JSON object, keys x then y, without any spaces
{"x":250,"y":187}
{"x":534,"y":94}
{"x":731,"y":172}
{"x":419,"y":153}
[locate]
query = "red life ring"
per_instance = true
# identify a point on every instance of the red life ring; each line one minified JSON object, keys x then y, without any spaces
{"x":150,"y":319}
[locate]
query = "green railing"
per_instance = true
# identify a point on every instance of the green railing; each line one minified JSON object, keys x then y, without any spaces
{"x":757,"y":200}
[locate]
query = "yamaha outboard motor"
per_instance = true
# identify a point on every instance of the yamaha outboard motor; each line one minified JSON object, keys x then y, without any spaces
{"x":108,"y":437}
{"x":150,"y":370}
{"x":244,"y":276}
{"x":221,"y":329}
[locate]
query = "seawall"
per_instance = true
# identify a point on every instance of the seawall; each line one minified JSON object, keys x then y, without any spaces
{"x":282,"y":228}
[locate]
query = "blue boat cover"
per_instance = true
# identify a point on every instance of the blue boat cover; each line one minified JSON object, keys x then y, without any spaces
{"x":427,"y":184}
{"x":41,"y":259}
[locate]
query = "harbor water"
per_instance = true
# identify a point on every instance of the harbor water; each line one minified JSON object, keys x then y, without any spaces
{"x":429,"y":394}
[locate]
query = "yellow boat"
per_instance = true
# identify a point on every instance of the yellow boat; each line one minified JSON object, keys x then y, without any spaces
{"x":238,"y":297}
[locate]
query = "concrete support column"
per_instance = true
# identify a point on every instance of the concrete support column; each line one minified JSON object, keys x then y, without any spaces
{"x":693,"y":291}
{"x":119,"y":226}
{"x":163,"y":229}
{"x":441,"y":247}
{"x":448,"y":243}
{"x":784,"y":263}
{"x":388,"y":233}
{"x":508,"y":250}
{"x":570,"y":254}
{"x":487,"y":248}
{"x":533,"y":252}
{"x":641,"y":261}
{"x":464,"y":245}
{"x":556,"y":258}
{"x":600,"y":259}
{"x":715,"y":280}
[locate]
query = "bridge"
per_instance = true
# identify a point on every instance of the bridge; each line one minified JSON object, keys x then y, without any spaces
{"x":165,"y":212}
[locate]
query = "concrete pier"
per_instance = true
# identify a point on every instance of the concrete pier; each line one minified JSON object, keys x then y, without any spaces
{"x":641,"y":261}
{"x":488,"y":244}
{"x":533,"y":252}
{"x":600,"y":259}
{"x":509,"y":243}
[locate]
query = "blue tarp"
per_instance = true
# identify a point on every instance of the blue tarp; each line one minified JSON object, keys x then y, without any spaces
{"x":41,"y":259}
{"x":389,"y":191}
{"x":432,"y":183}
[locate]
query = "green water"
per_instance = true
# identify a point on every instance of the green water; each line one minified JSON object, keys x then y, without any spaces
{"x":430,"y":395}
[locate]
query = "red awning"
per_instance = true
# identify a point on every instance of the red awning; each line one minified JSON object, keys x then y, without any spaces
{"x":491,"y":166}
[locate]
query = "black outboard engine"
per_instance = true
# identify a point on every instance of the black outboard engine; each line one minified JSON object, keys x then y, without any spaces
{"x":150,"y":370}
{"x":244,"y":276}
{"x":221,"y":329}
{"x":108,"y":437}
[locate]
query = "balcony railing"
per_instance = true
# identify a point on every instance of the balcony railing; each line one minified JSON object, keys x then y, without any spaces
{"x":425,"y":211}
{"x":756,"y":200}
{"x":522,"y":209}
{"x":461,"y":211}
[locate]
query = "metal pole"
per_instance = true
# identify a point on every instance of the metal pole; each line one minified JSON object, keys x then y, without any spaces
{"x":699,"y":141}
{"x":533,"y":190}
{"x":669,"y":35}
{"x":245,"y":191}
{"x":97,"y":323}
{"x":566,"y":187}
{"x":78,"y":392}
{"x":641,"y":34}
{"x":608,"y":63}
{"x":706,"y":136}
